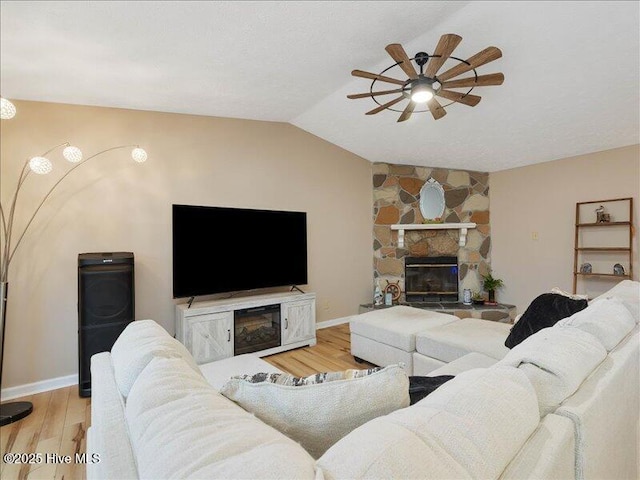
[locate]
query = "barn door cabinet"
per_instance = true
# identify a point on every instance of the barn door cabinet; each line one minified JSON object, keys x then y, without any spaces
{"x":208,"y":329}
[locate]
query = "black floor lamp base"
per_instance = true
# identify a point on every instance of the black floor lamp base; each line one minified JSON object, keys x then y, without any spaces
{"x":13,"y":411}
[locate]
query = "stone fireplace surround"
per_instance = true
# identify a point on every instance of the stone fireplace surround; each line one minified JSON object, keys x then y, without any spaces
{"x":396,"y":196}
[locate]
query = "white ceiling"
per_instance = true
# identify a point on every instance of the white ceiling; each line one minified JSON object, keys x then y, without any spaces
{"x":572,"y":70}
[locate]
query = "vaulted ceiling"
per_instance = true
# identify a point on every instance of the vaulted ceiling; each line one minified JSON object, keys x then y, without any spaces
{"x":572,"y":70}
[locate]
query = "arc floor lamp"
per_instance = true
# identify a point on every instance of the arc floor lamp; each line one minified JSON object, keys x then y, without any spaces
{"x":40,"y":165}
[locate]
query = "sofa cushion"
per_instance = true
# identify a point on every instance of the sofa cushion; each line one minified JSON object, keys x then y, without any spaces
{"x":629,"y":292}
{"x":550,"y":452}
{"x":137,"y":345}
{"x":180,"y":427}
{"x":397,"y":326}
{"x":318,"y":415}
{"x":606,"y":319}
{"x":556,"y":361}
{"x":468,"y":362}
{"x":545,"y":311}
{"x":471,"y":427}
{"x":457,"y":339}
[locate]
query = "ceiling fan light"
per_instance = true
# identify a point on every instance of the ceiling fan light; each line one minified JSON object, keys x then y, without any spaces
{"x":421,"y":94}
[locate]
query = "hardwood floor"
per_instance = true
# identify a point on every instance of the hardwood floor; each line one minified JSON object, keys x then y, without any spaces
{"x":58,"y":425}
{"x":332,"y":353}
{"x":60,"y":418}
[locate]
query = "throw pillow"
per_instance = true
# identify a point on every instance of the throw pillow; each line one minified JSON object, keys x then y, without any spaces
{"x":290,"y":380}
{"x":322,"y":408}
{"x":607,"y":319}
{"x":544,"y":311}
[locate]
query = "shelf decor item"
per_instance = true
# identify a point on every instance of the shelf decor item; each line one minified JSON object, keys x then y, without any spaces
{"x":585,"y":268}
{"x":39,"y":165}
{"x":618,"y":269}
{"x":601,"y":216}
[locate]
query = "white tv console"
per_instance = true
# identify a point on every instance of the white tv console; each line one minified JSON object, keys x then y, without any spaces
{"x":207,"y":328}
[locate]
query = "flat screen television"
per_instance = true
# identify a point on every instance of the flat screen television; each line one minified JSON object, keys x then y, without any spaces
{"x":220,"y":249}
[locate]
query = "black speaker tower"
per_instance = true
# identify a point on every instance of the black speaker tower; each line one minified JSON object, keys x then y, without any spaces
{"x":105,"y":306}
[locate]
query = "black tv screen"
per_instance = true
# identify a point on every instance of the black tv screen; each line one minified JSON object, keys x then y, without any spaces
{"x":219,"y":249}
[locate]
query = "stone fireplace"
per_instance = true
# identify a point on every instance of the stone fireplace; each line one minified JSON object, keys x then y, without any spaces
{"x":396,"y":196}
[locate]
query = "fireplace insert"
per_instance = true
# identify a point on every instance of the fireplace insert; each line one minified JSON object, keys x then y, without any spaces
{"x":431,"y":279}
{"x":256,"y":329}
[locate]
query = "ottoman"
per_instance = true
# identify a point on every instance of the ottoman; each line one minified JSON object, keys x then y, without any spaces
{"x":388,"y":336}
{"x":446,"y":343}
{"x":219,"y":372}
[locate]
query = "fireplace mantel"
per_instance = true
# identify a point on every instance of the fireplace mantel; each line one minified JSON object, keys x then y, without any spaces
{"x":463,"y":227}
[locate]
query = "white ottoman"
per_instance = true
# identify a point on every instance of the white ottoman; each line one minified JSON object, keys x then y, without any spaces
{"x":449,"y":342}
{"x":218,"y":373}
{"x":388,"y":336}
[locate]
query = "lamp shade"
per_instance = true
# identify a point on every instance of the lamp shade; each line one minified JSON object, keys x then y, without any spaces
{"x":7,"y":109}
{"x":40,"y":165}
{"x":139,"y":155}
{"x":72,"y":154}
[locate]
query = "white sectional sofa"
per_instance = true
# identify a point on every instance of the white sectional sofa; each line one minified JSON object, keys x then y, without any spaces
{"x":562,"y":404}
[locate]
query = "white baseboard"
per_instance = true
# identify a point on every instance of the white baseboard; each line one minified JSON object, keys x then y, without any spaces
{"x":38,"y":387}
{"x":332,"y":323}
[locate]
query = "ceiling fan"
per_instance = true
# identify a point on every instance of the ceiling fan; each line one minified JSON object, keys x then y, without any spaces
{"x":424,"y":86}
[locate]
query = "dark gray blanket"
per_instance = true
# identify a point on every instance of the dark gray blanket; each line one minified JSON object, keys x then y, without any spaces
{"x":420,"y":387}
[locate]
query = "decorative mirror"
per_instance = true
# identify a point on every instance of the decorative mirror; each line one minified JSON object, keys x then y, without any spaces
{"x":432,"y":200}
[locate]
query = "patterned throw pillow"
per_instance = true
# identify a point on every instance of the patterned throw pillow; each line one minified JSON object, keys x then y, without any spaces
{"x":290,"y":380}
{"x":319,"y":410}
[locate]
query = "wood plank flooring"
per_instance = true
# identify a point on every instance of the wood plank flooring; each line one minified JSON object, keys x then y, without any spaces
{"x":60,"y":417}
{"x":332,"y":353}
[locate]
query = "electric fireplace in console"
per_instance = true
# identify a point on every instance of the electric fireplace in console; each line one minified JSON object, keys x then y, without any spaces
{"x":256,"y":329}
{"x":431,"y":279}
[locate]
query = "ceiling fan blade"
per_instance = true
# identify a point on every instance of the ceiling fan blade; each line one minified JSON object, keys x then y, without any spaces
{"x":386,"y":105}
{"x":468,"y":99}
{"x":436,"y":109}
{"x":446,"y":45}
{"x":408,"y":110}
{"x":481,"y":81}
{"x":400,"y":56}
{"x":374,"y":94}
{"x":487,"y":55}
{"x":374,"y":76}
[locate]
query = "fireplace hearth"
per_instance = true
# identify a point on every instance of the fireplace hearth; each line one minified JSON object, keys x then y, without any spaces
{"x":431,"y":279}
{"x":256,"y":329}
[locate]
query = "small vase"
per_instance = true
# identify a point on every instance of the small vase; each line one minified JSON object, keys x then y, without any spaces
{"x":492,"y":296}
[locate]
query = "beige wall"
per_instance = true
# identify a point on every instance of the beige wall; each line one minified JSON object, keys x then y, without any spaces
{"x":542,"y":198}
{"x":113,"y":204}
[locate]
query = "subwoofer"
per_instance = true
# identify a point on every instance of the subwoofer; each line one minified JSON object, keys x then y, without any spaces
{"x":105,"y":306}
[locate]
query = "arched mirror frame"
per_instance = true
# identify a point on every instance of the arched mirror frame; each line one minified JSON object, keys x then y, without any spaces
{"x":432,"y":200}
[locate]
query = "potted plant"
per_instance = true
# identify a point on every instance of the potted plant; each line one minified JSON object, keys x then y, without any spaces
{"x":477,"y":298}
{"x":491,"y":284}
